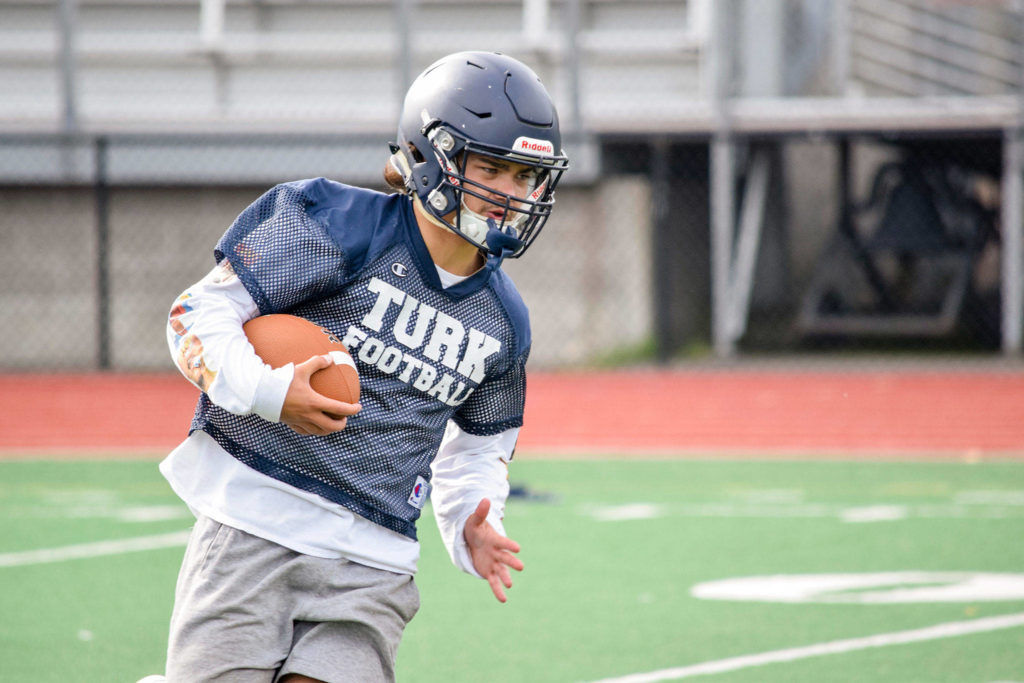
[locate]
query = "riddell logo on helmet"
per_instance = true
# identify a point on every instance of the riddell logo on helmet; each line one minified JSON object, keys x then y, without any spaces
{"x":533,"y":146}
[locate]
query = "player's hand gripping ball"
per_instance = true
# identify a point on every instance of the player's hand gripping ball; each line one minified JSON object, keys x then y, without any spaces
{"x":280,"y":339}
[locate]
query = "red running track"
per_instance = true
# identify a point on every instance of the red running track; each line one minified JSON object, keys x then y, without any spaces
{"x":759,"y":412}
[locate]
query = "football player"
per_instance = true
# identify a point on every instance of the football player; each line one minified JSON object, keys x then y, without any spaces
{"x":301,"y":563}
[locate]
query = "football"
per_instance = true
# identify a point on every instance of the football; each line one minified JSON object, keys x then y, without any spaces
{"x":280,"y":339}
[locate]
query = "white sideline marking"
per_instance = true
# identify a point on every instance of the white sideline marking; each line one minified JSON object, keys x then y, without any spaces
{"x":874,"y":513}
{"x":631,"y":511}
{"x":785,"y":510}
{"x":98,"y":549}
{"x":1015,"y":497}
{"x":885,"y":587}
{"x":946,"y":630}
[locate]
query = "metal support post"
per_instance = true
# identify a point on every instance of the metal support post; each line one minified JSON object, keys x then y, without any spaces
{"x":748,"y":241}
{"x":723,"y":192}
{"x":211,"y":23}
{"x":67,"y":16}
{"x":403,"y":29}
{"x":101,"y":192}
{"x":572,"y":30}
{"x":1012,"y":215}
{"x":722,"y":174}
{"x":536,"y":22}
{"x":1013,"y":241}
{"x":661,"y":191}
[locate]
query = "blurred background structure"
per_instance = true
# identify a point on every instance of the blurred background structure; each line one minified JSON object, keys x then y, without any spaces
{"x":749,"y":176}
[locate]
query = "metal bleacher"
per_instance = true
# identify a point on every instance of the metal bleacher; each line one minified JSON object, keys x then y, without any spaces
{"x":252,"y":65}
{"x":339,"y":68}
{"x":914,"y":48}
{"x":324,"y":79}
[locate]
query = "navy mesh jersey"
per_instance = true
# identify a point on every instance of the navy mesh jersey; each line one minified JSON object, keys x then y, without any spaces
{"x":353,"y":260}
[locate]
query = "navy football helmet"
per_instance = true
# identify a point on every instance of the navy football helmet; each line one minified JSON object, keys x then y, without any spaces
{"x":489,"y":104}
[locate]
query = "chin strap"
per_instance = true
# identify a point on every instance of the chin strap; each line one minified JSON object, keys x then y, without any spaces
{"x":429,"y":216}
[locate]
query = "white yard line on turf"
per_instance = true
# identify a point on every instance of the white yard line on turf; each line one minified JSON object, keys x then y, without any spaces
{"x":98,"y":549}
{"x":947,"y":630}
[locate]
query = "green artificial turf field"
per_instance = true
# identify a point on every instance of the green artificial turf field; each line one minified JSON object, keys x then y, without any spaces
{"x":89,"y":552}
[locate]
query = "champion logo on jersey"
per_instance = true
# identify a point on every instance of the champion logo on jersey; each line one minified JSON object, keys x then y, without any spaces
{"x":418,"y":497}
{"x":399,"y":269}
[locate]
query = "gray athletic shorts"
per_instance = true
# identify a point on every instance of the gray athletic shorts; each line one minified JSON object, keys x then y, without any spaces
{"x":250,"y":610}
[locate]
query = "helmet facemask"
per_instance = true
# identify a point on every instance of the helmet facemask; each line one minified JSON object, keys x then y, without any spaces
{"x":522,"y":217}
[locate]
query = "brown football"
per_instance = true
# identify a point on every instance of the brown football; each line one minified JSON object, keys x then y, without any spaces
{"x":280,"y":339}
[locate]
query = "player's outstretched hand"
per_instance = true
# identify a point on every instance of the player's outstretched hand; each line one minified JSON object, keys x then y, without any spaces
{"x":308,"y":412}
{"x":491,"y":552}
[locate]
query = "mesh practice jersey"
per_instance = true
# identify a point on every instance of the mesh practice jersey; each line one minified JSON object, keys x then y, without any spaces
{"x":353,"y":261}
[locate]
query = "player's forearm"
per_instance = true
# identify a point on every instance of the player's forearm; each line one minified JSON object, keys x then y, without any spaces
{"x":205,"y":337}
{"x":467,"y":469}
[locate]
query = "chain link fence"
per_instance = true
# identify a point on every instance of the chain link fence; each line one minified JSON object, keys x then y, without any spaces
{"x":88,"y":271}
{"x":749,"y":176}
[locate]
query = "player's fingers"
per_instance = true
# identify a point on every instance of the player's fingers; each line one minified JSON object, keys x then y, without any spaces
{"x":308,"y":367}
{"x":512,"y":561}
{"x":337,"y":409}
{"x":328,"y":424}
{"x":496,"y":588}
{"x":505,"y":576}
{"x":321,"y":423}
{"x":314,"y":429}
{"x":509,"y":545}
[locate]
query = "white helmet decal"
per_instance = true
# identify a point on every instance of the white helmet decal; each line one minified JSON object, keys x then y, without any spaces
{"x":533,"y":146}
